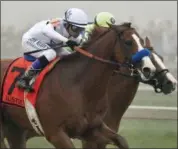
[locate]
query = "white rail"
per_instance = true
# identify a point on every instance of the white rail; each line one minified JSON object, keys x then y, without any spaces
{"x":151,"y":112}
{"x":153,"y":108}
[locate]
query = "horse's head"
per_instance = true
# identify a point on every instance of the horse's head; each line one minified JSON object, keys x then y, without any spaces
{"x":163,"y":80}
{"x":130,"y":49}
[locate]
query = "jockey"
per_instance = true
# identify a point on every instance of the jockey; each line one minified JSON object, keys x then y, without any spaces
{"x":48,"y":33}
{"x":102,"y":19}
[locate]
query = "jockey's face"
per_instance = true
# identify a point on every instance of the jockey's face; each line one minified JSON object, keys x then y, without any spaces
{"x":74,"y":31}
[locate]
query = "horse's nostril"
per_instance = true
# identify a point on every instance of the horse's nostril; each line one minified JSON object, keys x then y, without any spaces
{"x":168,"y":82}
{"x":146,"y":71}
{"x":171,"y":84}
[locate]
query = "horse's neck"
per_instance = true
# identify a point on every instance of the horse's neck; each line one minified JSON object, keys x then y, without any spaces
{"x":122,"y":89}
{"x":89,"y":75}
{"x":96,"y":74}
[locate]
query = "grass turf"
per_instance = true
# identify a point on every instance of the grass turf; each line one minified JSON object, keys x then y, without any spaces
{"x":139,"y":134}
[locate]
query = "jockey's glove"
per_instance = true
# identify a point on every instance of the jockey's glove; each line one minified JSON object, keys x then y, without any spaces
{"x":72,"y":43}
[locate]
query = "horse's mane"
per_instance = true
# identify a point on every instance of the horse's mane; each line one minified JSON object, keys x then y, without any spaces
{"x":97,"y":31}
{"x":94,"y":34}
{"x":126,"y":24}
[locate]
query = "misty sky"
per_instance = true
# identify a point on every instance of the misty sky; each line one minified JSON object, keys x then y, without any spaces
{"x":21,"y":13}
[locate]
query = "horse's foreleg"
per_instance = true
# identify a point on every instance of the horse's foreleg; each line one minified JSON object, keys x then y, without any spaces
{"x":3,"y":145}
{"x":15,"y":136}
{"x":60,"y":140}
{"x":117,"y":139}
{"x":95,"y":140}
{"x":89,"y":144}
{"x":103,"y":136}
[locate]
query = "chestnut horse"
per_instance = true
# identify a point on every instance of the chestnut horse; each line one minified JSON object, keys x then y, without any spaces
{"x":70,"y":101}
{"x":123,"y":87}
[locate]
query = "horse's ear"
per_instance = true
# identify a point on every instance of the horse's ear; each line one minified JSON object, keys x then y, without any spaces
{"x":124,"y":26}
{"x":128,"y":24}
{"x":147,"y":42}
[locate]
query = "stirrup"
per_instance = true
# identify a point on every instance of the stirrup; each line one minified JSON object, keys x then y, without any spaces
{"x":21,"y":84}
{"x":29,"y":89}
{"x":24,"y":83}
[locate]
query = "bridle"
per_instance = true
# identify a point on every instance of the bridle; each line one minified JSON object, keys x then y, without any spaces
{"x":133,"y":71}
{"x":154,"y":81}
{"x":118,"y":65}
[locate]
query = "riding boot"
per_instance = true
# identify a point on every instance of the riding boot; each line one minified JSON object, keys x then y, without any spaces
{"x":36,"y":67}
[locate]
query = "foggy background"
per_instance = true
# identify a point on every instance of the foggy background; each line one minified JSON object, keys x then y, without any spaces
{"x":155,"y":19}
{"x":145,"y":128}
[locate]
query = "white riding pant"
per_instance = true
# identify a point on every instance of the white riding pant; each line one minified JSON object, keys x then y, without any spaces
{"x":32,"y":44}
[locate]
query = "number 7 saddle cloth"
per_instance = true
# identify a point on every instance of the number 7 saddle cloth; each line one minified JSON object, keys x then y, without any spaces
{"x":12,"y":94}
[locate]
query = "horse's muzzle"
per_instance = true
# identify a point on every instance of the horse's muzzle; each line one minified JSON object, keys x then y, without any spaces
{"x":169,"y":84}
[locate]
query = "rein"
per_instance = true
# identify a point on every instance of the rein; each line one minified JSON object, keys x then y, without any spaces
{"x":97,"y":58}
{"x":128,"y":65}
{"x":91,"y":56}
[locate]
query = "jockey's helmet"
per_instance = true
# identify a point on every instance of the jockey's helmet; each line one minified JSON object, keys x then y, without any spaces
{"x":104,"y":19}
{"x":76,"y":17}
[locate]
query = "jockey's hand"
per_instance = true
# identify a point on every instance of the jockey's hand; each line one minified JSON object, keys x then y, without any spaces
{"x":72,"y":43}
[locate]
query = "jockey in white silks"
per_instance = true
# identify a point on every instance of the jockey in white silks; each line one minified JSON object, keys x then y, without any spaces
{"x":48,"y":33}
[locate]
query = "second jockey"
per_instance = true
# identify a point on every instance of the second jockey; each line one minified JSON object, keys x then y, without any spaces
{"x":48,"y":33}
{"x":102,"y":19}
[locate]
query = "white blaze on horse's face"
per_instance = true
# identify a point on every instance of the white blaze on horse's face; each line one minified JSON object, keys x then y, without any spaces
{"x":162,"y":66}
{"x":147,"y":65}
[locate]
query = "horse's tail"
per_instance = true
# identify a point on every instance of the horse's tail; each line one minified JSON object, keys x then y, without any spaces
{"x":2,"y":137}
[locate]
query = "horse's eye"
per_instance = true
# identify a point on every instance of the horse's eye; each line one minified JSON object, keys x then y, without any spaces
{"x":129,"y":42}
